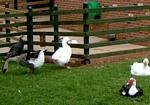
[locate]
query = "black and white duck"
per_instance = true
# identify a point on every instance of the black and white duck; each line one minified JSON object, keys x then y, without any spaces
{"x":32,"y":60}
{"x":130,"y":89}
{"x":35,"y":60}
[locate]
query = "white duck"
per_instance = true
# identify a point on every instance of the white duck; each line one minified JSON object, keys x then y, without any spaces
{"x":130,"y":89}
{"x":141,"y":69}
{"x":62,"y":56}
{"x":35,"y":60}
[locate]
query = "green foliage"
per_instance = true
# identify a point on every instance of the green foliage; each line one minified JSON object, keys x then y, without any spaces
{"x":52,"y":85}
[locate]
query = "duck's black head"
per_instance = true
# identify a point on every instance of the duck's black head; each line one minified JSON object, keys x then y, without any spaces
{"x":21,"y":38}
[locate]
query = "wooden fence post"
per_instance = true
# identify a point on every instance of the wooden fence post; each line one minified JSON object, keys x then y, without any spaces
{"x":56,"y":28}
{"x":7,"y":21}
{"x":16,"y":4}
{"x":86,"y":36}
{"x":30,"y":28}
{"x":51,"y":6}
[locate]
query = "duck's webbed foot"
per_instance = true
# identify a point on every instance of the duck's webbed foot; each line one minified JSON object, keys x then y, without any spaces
{"x":67,"y":66}
{"x":4,"y":70}
{"x":31,"y":68}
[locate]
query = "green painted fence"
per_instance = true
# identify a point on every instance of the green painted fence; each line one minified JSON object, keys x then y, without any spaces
{"x":55,"y":21}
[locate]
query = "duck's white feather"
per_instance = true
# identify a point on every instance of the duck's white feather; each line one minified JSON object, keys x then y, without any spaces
{"x":140,"y":69}
{"x":133,"y":90}
{"x":39,"y":61}
{"x":63,"y":54}
{"x":137,"y":68}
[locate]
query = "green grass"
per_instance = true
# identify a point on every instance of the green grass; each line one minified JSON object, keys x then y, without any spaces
{"x":52,"y":85}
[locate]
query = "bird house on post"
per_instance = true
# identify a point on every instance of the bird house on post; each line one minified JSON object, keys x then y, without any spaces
{"x":94,"y":4}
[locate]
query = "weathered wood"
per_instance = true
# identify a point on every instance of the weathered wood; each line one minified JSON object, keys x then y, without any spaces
{"x":13,"y":15}
{"x":7,"y":22}
{"x":12,"y":34}
{"x":86,"y":36}
{"x":119,"y":52}
{"x":81,"y":46}
{"x":113,"y":20}
{"x":75,"y":34}
{"x":126,"y":8}
{"x":71,"y":22}
{"x":56,"y":28}
{"x":42,"y":5}
{"x":116,"y":31}
{"x":133,"y":40}
{"x":13,"y":25}
{"x":43,"y":23}
{"x":30,"y":29}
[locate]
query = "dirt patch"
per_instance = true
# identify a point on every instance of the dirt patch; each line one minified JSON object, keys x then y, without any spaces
{"x":74,"y":62}
{"x":119,"y":58}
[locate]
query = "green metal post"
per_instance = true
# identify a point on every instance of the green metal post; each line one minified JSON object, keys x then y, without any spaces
{"x":56,"y":28}
{"x":30,"y":28}
{"x":51,"y":6}
{"x":16,"y":5}
{"x":86,"y":36}
{"x":7,"y":21}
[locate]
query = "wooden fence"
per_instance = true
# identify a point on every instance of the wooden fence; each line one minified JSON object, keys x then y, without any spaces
{"x":55,"y":13}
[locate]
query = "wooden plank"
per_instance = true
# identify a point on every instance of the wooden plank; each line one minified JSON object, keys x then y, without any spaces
{"x":12,"y":34}
{"x":12,"y":10}
{"x":75,"y":34}
{"x":133,"y":40}
{"x":12,"y":25}
{"x":41,"y":9}
{"x":36,"y":2}
{"x":41,"y":13}
{"x":39,"y":6}
{"x":42,"y":23}
{"x":8,"y":44}
{"x":125,"y":8}
{"x":33,"y":0}
{"x":13,"y":15}
{"x":122,"y":30}
{"x":127,"y":19}
{"x":42,"y":5}
{"x":43,"y":33}
{"x":43,"y":44}
{"x":101,"y":21}
{"x":65,"y":12}
{"x":60,"y":12}
{"x":71,"y":22}
{"x":57,"y":44}
{"x":119,"y":52}
{"x":106,"y":9}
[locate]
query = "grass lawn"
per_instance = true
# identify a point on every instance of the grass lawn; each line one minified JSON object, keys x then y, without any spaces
{"x":52,"y":85}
